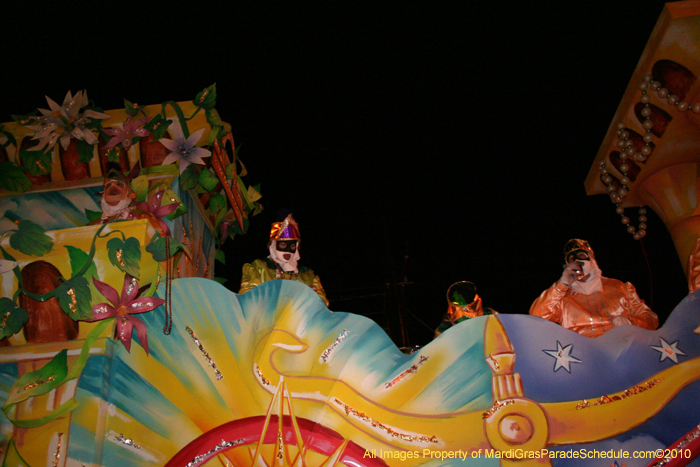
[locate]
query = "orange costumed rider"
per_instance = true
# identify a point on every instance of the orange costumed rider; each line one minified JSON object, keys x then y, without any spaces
{"x":588,"y":303}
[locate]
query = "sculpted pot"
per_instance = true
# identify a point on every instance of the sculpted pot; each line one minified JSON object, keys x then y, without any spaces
{"x":47,"y":322}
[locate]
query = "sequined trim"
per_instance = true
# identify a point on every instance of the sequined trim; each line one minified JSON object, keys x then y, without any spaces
{"x":102,"y":309}
{"x":132,"y":283}
{"x":374,"y":423}
{"x":38,"y":383}
{"x":204,"y":352}
{"x":73,"y":302}
{"x":496,"y":407}
{"x":687,"y":439}
{"x":280,"y":446}
{"x":57,"y":455}
{"x":119,"y":258}
{"x":263,"y":380}
{"x":327,"y":353}
{"x":127,"y":441}
{"x":218,"y":447}
{"x":411,"y":369}
{"x":636,"y":389}
{"x":4,"y":320}
{"x":141,"y":305}
{"x":493,"y":359}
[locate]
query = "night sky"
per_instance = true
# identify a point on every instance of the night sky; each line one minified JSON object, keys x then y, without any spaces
{"x":416,"y":143}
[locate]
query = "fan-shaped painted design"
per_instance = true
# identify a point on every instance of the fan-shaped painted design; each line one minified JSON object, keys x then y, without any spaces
{"x":214,"y":390}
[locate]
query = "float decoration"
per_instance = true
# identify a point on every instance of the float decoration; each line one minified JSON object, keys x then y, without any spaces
{"x":284,"y":381}
{"x":56,"y":268}
{"x":651,"y":150}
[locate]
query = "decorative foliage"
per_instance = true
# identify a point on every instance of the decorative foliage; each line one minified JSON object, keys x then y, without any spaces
{"x":125,"y":254}
{"x":13,"y":178}
{"x":74,"y":297}
{"x":50,"y":376}
{"x":123,"y":307}
{"x":12,"y":318}
{"x":36,"y":162}
{"x":30,"y":239}
{"x":79,"y":261}
{"x":158,"y":250}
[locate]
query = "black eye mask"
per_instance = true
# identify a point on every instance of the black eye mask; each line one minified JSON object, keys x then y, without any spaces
{"x":287,"y":246}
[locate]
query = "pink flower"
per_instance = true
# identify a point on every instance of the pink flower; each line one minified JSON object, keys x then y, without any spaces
{"x":123,"y":307}
{"x":132,"y":129}
{"x":153,"y":206}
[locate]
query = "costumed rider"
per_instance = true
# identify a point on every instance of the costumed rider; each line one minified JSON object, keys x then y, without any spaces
{"x":282,"y":262}
{"x":463,"y":303}
{"x":588,"y":303}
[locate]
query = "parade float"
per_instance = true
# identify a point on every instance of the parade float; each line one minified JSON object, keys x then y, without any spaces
{"x":119,"y":349}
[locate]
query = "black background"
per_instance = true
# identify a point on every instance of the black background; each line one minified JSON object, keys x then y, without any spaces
{"x":417,"y":143}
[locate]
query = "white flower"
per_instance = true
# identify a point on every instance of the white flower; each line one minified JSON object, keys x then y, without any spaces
{"x":63,"y":122}
{"x":184,"y":150}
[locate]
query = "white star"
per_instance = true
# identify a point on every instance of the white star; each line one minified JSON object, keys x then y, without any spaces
{"x":668,"y":351}
{"x":562,"y":357}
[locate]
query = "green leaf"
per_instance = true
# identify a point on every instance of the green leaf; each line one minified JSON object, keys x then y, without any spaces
{"x":208,"y":180}
{"x":36,"y":162}
{"x":92,"y":215}
{"x":130,"y":108}
{"x":85,"y":151}
{"x":220,"y":256}
{"x":25,"y":119}
{"x":49,"y":377}
{"x":13,"y":178}
{"x":12,"y":317}
{"x":189,"y":178}
{"x":206,"y":98}
{"x":40,"y":381}
{"x":140,"y":187}
{"x":217,"y":204}
{"x":254,"y":193}
{"x":78,"y":259}
{"x":74,"y":297}
{"x":215,"y":130}
{"x":168,"y":198}
{"x":244,"y":192}
{"x":213,"y":117}
{"x":30,"y":239}
{"x":158,"y":125}
{"x":157,"y":247}
{"x":235,"y":228}
{"x":125,"y":255}
{"x":113,"y":154}
{"x":220,"y":280}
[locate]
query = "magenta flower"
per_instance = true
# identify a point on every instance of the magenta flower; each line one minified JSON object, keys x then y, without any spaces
{"x":132,"y":129}
{"x":123,"y":307}
{"x":153,"y":206}
{"x":183,"y":150}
